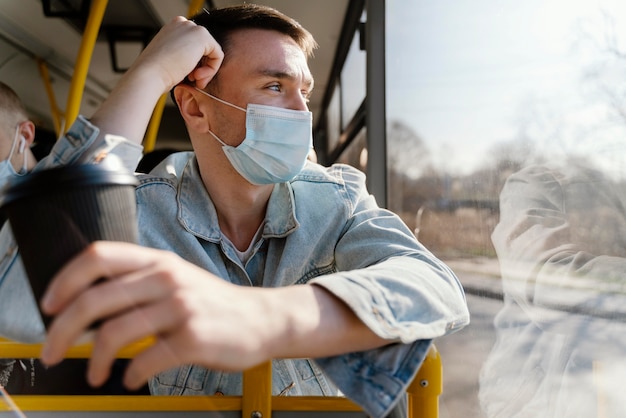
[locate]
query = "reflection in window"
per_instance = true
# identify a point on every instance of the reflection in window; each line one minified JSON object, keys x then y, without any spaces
{"x":507,"y":140}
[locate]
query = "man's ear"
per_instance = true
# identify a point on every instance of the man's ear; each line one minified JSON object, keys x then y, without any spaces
{"x":192,"y":111}
{"x":27,"y":130}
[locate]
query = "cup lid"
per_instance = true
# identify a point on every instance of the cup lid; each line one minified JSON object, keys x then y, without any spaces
{"x":59,"y":178}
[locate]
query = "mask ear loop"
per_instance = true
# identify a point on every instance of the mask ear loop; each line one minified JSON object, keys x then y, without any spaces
{"x":220,"y":100}
{"x":21,"y":151}
{"x":224,"y":102}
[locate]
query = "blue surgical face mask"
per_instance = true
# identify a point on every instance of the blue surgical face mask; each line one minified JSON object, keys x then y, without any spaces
{"x":6,"y":168}
{"x":276,"y":145}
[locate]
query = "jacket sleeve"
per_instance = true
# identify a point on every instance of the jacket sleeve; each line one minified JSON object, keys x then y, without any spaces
{"x":560,"y":242}
{"x":399,"y":289}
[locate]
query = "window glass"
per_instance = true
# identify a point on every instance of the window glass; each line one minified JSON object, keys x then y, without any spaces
{"x":506,"y":152}
{"x":355,"y":154}
{"x":352,"y":82}
{"x":333,"y":116}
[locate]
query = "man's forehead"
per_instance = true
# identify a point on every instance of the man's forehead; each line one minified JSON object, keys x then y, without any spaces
{"x":261,"y":39}
{"x":269,"y":53}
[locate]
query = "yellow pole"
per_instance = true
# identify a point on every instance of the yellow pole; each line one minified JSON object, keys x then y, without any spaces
{"x":155,"y":121}
{"x":13,"y":349}
{"x":96,"y":13}
{"x":153,"y":126}
{"x":56,"y":113}
{"x":423,"y":392}
{"x":194,"y":7}
{"x":257,"y":391}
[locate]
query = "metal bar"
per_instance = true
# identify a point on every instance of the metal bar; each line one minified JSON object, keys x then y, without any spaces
{"x":96,"y":13}
{"x":101,"y":403}
{"x":257,"y":392}
{"x":375,"y":116}
{"x":13,"y":349}
{"x":348,"y":29}
{"x":194,"y":7}
{"x":155,"y":122}
{"x":54,"y":109}
{"x":356,"y":124}
{"x":424,"y":391}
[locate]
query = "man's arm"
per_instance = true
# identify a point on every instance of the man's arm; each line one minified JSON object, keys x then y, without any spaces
{"x":180,"y":49}
{"x":196,"y":316}
{"x":545,"y":243}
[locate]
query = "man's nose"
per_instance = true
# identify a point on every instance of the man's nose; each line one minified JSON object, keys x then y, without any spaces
{"x":298,"y":102}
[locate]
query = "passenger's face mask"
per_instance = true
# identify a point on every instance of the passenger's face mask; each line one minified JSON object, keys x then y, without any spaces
{"x":6,"y":168}
{"x":276,"y":145}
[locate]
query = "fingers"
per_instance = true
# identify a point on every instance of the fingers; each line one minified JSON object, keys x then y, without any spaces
{"x":99,"y":260}
{"x":211,"y":59}
{"x":183,"y":49}
{"x":132,"y":281}
{"x":207,"y":69}
{"x":212,"y":56}
{"x":134,"y":325}
{"x":160,"y":356}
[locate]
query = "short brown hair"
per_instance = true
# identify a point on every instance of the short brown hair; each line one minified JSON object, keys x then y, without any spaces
{"x":12,"y":110}
{"x":222,"y":22}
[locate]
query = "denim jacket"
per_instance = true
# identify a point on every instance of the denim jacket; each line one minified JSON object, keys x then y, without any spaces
{"x":321,"y":228}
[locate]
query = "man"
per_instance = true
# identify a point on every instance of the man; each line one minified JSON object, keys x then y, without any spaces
{"x":233,"y":231}
{"x":28,"y":376}
{"x":17,"y":134}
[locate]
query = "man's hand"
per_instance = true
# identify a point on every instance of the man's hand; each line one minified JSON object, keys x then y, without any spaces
{"x":182,"y":49}
{"x":195,"y":316}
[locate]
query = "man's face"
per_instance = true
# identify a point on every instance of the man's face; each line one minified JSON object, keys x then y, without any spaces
{"x":262,"y":67}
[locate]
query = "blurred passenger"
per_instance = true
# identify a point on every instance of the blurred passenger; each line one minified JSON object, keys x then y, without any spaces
{"x":561,"y":335}
{"x":17,"y":133}
{"x":29,"y":376}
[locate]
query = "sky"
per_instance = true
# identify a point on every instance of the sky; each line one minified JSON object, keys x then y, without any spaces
{"x":467,"y":74}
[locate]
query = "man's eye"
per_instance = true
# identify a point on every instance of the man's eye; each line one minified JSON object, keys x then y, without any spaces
{"x":275,"y":87}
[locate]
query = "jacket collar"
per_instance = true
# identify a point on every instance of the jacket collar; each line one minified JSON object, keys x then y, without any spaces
{"x":196,"y":211}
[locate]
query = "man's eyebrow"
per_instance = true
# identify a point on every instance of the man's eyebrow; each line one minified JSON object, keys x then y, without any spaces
{"x":286,"y":75}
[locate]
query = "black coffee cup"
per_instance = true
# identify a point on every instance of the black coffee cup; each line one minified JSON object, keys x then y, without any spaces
{"x":56,"y":213}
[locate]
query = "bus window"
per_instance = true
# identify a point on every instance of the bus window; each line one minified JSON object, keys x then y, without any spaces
{"x":506,"y":140}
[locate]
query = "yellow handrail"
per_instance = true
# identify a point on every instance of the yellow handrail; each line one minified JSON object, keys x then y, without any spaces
{"x":96,"y":13}
{"x":256,"y":400}
{"x":54,"y":108}
{"x":153,"y":127}
{"x":424,"y":391}
{"x":155,"y":121}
